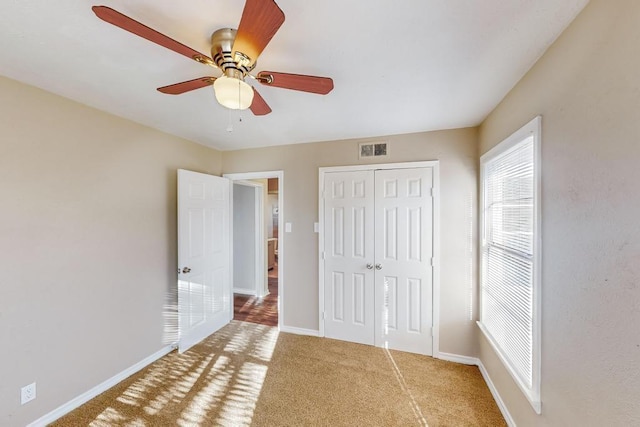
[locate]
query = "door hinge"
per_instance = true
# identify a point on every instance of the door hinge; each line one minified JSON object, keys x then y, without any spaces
{"x":324,"y":315}
{"x":322,"y":255}
{"x":432,"y":331}
{"x":433,"y":261}
{"x":431,"y":192}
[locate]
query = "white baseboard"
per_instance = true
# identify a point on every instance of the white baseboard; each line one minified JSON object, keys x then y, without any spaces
{"x":299,"y":331}
{"x":496,"y":395}
{"x":100,"y":388}
{"x":263,"y":295}
{"x":465,"y":360}
{"x":245,"y":291}
{"x":105,"y":385}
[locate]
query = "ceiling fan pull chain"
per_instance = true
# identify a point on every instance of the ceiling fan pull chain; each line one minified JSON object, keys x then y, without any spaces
{"x":239,"y":102}
{"x":229,"y":122}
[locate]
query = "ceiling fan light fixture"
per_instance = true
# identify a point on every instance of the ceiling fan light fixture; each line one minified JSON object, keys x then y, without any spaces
{"x":234,"y":52}
{"x":233,"y":93}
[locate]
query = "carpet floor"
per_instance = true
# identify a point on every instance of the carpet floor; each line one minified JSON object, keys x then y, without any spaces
{"x":250,"y":374}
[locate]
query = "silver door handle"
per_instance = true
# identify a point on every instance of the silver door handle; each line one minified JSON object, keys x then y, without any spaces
{"x":186,"y":270}
{"x":369,"y":266}
{"x":378,"y":266}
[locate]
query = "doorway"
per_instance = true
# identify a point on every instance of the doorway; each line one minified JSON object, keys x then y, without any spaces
{"x":378,"y":255}
{"x":257,"y":213}
{"x":248,"y":238}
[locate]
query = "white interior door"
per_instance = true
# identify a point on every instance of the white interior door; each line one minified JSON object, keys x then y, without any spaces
{"x":204,"y":288}
{"x":348,"y":243}
{"x":378,"y":250}
{"x":403,"y":254}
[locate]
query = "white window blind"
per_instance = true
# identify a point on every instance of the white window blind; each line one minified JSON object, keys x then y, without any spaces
{"x":508,"y":281}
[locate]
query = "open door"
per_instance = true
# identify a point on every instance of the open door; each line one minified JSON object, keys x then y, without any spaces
{"x":204,"y":285}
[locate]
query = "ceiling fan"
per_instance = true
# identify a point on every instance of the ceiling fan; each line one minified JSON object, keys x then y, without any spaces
{"x":234,"y":52}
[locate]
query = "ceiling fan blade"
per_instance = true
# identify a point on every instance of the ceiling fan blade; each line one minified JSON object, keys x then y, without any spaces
{"x":119,"y":20}
{"x":178,"y":88}
{"x":259,"y":23}
{"x":259,"y":107}
{"x":313,"y":84}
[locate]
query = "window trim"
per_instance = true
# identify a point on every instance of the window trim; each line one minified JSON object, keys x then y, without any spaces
{"x":533,"y":128}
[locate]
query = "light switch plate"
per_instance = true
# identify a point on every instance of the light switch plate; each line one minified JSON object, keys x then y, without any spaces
{"x":316,"y":227}
{"x":287,"y":227}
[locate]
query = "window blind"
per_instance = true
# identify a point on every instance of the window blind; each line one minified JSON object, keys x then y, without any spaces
{"x":508,"y":256}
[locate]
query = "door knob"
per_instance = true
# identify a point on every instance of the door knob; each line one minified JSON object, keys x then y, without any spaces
{"x":369,"y":266}
{"x":378,"y":266}
{"x":186,"y":270}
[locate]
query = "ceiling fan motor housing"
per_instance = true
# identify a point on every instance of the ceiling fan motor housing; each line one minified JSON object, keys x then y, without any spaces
{"x":221,"y":52}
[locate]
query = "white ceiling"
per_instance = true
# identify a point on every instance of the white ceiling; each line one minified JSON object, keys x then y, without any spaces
{"x":398,"y":66}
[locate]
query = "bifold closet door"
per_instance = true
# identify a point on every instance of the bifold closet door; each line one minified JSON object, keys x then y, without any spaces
{"x":403,"y":259}
{"x":378,"y":249}
{"x":349,"y":256}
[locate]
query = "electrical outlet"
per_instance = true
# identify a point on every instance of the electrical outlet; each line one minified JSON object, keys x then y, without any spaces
{"x":27,"y":393}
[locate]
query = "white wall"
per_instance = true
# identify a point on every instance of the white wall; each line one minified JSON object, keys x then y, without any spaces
{"x":587,"y":88}
{"x":244,"y":239}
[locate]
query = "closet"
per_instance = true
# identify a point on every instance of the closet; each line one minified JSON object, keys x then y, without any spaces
{"x":377,"y":256}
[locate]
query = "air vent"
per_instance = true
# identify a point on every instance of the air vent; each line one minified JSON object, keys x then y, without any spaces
{"x":373,"y":149}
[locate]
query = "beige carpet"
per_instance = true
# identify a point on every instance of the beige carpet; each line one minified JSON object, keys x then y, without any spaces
{"x":249,"y":374}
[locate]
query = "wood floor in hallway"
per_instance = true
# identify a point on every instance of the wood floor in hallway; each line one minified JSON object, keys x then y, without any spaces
{"x":263,"y":311}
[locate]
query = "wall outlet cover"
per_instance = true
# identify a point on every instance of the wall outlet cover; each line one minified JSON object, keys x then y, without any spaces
{"x":27,"y":393}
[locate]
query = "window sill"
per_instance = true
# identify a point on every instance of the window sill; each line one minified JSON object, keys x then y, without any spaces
{"x":532,"y":397}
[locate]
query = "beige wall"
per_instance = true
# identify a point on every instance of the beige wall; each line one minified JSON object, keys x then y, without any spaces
{"x":587,"y":88}
{"x":457,"y":151}
{"x":87,"y":244}
{"x":87,"y":230}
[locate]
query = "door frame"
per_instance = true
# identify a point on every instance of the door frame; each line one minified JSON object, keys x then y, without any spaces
{"x":435,"y":165}
{"x":259,"y":266}
{"x":243,"y":176}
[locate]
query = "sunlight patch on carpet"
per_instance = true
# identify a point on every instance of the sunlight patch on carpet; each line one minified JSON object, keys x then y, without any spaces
{"x":108,"y":418}
{"x":241,"y":401}
{"x":403,"y":385}
{"x":217,"y":383}
{"x":264,"y":348}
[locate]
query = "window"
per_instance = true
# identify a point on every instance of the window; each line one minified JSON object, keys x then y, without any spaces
{"x":510,"y":255}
